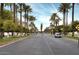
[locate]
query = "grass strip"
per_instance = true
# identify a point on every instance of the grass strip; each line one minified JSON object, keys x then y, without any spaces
{"x":7,"y":40}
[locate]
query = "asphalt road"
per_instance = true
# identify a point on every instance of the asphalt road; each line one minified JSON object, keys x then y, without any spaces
{"x":42,"y":44}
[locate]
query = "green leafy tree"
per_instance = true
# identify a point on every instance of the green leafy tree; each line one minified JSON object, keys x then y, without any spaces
{"x":7,"y":15}
{"x":9,"y":26}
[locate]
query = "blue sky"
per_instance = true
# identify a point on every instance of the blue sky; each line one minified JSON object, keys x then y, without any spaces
{"x":43,"y":11}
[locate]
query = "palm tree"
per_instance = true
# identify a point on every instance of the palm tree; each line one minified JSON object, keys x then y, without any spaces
{"x":14,"y":14}
{"x":31,"y":18}
{"x":68,"y":6}
{"x":33,"y":27}
{"x":55,"y":18}
{"x":64,"y":7}
{"x":72,"y":19}
{"x":16,"y":8}
{"x":14,"y":11}
{"x":2,"y":9}
{"x":27,"y":10}
{"x":20,"y":11}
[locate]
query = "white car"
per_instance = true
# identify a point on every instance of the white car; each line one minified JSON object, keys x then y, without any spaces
{"x":58,"y":35}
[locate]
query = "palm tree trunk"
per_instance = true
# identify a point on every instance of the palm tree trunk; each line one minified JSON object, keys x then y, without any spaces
{"x":14,"y":11}
{"x":66,"y":18}
{"x":2,"y":9}
{"x":20,"y":14}
{"x":64,"y":22}
{"x":20,"y":18}
{"x":27,"y":20}
{"x":72,"y":19}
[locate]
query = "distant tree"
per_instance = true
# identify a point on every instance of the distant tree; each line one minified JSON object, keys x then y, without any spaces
{"x":41,"y":27}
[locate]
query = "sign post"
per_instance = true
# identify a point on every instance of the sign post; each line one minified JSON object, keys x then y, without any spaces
{"x":77,"y":27}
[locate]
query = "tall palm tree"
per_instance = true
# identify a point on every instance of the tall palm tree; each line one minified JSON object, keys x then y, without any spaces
{"x":16,"y":8}
{"x":68,"y":7}
{"x":27,"y":10}
{"x":2,"y":9}
{"x":72,"y":19}
{"x":64,"y":8}
{"x":14,"y":15}
{"x":20,"y":11}
{"x":55,"y":18}
{"x":14,"y":11}
{"x":32,"y":19}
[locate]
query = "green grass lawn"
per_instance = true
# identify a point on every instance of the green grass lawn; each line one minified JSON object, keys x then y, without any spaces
{"x":6,"y":40}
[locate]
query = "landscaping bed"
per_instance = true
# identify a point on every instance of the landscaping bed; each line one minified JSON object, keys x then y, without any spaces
{"x":7,"y":40}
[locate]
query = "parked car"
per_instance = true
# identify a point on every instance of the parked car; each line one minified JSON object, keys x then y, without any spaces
{"x":58,"y":35}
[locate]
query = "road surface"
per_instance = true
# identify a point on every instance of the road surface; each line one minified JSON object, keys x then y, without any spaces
{"x":42,"y":44}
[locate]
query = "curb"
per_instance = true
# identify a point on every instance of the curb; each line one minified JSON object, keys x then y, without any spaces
{"x":12,"y":42}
